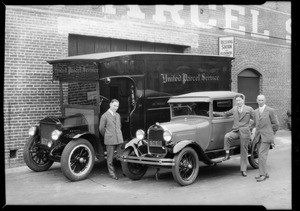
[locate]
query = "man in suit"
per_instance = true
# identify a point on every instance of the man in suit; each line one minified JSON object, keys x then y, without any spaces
{"x":240,"y":130}
{"x":110,"y":129}
{"x":266,"y":124}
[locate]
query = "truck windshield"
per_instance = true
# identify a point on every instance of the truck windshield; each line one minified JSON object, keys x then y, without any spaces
{"x":191,"y":108}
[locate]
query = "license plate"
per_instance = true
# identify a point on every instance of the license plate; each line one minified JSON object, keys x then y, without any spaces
{"x":155,"y":143}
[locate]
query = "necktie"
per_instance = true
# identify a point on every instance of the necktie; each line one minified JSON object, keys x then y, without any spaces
{"x":260,"y":110}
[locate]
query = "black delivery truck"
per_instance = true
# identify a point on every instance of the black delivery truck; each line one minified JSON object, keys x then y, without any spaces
{"x":142,"y":82}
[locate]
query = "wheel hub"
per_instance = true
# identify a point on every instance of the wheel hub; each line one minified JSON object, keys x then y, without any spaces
{"x":82,"y":160}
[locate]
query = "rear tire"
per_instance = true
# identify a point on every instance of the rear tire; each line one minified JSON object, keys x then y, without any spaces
{"x":253,"y":158}
{"x":77,"y":160}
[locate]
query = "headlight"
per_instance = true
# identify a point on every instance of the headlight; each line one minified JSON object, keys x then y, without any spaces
{"x":140,"y":134}
{"x":167,"y":136}
{"x":32,"y":131}
{"x":55,"y":134}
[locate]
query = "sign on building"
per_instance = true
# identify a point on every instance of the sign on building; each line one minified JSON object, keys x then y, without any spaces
{"x":226,"y":46}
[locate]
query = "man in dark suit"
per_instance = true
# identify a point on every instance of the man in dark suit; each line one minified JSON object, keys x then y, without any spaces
{"x":240,"y":130}
{"x":266,"y":124}
{"x":110,"y":129}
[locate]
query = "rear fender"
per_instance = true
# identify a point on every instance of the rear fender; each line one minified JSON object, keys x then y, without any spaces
{"x":77,"y":136}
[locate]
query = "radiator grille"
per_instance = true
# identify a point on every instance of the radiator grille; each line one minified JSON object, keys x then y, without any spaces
{"x":45,"y":132}
{"x":156,"y":143}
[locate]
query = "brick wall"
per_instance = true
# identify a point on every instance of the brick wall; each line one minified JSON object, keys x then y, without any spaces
{"x":35,"y":34}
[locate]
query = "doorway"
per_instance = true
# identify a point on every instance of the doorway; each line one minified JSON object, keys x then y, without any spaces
{"x":249,"y":85}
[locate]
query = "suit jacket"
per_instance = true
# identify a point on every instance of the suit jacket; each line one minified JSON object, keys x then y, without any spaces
{"x":266,"y":125}
{"x":110,"y":128}
{"x":241,"y":122}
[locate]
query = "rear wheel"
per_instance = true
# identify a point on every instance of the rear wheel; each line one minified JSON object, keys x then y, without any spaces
{"x":36,"y":156}
{"x":77,"y":159}
{"x":186,"y":166}
{"x":253,"y":158}
{"x":133,"y":171}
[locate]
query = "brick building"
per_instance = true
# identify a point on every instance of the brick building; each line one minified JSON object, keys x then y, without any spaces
{"x":259,"y":38}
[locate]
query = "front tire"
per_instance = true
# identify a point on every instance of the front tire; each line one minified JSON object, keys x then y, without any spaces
{"x":36,"y":156}
{"x":133,"y":171}
{"x":186,"y":166}
{"x":77,"y":159}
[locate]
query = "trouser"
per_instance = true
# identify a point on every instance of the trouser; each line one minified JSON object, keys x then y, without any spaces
{"x":110,"y":149}
{"x":244,"y":142}
{"x":263,"y":150}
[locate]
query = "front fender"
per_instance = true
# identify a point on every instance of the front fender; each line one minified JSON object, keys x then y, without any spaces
{"x":133,"y":143}
{"x":202,"y":156}
{"x":179,"y":146}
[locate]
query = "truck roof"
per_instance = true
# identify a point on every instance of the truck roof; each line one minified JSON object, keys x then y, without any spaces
{"x":205,"y":96}
{"x":106,"y":55}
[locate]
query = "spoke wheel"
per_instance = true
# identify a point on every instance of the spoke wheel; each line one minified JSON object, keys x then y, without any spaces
{"x":133,"y":171}
{"x":253,"y":158}
{"x":36,"y":156}
{"x":77,"y":159}
{"x":186,"y":166}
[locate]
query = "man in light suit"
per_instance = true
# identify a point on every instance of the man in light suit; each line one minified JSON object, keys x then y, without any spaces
{"x":240,"y":130}
{"x":266,"y":124}
{"x":110,"y":129}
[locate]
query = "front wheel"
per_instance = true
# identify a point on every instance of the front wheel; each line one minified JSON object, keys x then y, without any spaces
{"x":36,"y":156}
{"x":133,"y":171}
{"x":186,"y":166}
{"x":77,"y":159}
{"x":253,"y":158}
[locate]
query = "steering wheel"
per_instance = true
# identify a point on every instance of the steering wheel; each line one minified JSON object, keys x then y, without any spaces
{"x":202,"y":112}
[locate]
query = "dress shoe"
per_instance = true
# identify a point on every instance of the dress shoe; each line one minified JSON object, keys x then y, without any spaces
{"x":244,"y":174}
{"x":227,"y":157}
{"x":261,"y":178}
{"x":267,"y":176}
{"x":114,"y":177}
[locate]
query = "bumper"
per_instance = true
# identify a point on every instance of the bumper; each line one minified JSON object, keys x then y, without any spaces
{"x":148,"y":161}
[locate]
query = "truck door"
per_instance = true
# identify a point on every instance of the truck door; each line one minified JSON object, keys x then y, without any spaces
{"x":122,"y":89}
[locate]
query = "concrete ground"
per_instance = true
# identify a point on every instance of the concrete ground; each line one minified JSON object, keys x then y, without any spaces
{"x":217,"y":185}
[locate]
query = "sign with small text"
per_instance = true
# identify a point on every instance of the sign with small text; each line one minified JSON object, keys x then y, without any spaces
{"x":226,"y":46}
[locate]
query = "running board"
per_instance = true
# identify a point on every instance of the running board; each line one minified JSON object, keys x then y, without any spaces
{"x":220,"y":160}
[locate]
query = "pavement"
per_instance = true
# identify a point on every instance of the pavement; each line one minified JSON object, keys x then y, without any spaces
{"x":282,"y":136}
{"x":24,"y":186}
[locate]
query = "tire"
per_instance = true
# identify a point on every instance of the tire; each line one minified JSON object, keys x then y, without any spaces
{"x":77,"y":160}
{"x":253,"y":158}
{"x":35,"y":156}
{"x":186,"y":166}
{"x":133,"y":171}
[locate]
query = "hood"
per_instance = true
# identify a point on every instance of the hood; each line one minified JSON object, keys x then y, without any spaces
{"x":69,"y":121}
{"x":185,"y":124}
